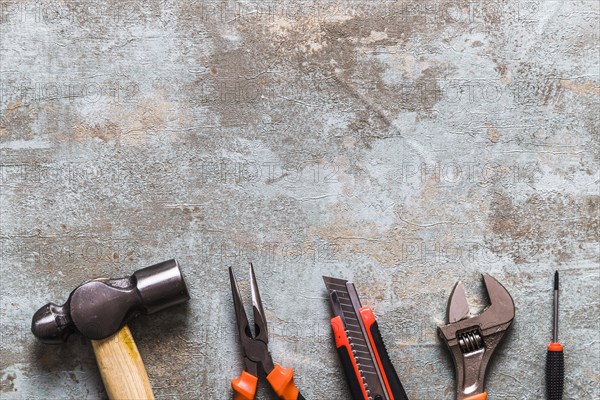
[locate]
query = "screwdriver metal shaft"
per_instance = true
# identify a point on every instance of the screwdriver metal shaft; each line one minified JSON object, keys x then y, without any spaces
{"x":555,"y":374}
{"x":555,"y":322}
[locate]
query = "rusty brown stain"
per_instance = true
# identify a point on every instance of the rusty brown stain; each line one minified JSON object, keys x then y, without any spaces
{"x":492,"y":134}
{"x":17,"y":122}
{"x":8,"y":385}
{"x":14,"y":106}
{"x":129,"y":125}
{"x":299,"y":44}
{"x":543,"y":223}
{"x":582,"y":88}
{"x":362,"y":237}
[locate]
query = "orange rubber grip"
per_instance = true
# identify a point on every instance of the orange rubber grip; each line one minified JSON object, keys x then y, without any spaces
{"x":480,"y":396}
{"x":555,"y":347}
{"x":351,"y":370}
{"x":282,"y":382}
{"x":245,"y":386}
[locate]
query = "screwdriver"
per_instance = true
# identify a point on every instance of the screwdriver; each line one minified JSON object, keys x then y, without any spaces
{"x":555,"y":370}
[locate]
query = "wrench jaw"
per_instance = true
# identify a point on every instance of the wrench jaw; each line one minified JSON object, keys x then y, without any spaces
{"x":473,"y":339}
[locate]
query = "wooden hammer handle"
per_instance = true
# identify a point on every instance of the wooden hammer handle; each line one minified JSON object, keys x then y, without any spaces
{"x":122,"y":368}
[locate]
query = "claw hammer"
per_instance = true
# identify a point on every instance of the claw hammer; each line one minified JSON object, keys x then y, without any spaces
{"x":100,"y":308}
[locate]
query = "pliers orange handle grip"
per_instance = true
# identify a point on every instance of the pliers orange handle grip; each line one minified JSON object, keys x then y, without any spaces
{"x":244,"y":386}
{"x":281,"y":380}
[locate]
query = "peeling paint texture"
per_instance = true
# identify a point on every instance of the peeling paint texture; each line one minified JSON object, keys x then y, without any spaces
{"x":402,"y":145}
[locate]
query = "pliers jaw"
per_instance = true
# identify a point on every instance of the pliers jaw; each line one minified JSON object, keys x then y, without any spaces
{"x":261,"y":331}
{"x":473,"y":339}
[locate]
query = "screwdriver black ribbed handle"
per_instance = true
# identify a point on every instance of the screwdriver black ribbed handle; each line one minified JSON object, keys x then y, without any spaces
{"x":555,"y":362}
{"x":555,"y":371}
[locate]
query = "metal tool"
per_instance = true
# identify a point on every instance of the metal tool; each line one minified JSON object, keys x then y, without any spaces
{"x":256,"y":350}
{"x":99,"y":309}
{"x":367,"y":366}
{"x":472,"y":339}
{"x":555,"y":362}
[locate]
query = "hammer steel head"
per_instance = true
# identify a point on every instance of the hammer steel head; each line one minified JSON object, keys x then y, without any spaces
{"x":100,"y":307}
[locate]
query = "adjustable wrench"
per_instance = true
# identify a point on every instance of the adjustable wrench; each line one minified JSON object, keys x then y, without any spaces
{"x":472,"y":339}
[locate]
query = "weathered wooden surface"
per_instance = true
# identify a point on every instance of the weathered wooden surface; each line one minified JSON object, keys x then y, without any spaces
{"x":402,"y":145}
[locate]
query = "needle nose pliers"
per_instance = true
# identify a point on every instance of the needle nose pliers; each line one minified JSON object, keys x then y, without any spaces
{"x":256,"y":350}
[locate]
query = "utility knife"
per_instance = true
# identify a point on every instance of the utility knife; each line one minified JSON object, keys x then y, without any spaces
{"x":364,"y":358}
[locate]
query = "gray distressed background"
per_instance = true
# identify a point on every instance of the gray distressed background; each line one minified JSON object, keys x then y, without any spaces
{"x":400,"y":144}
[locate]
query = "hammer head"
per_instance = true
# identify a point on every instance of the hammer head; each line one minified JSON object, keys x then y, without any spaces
{"x":100,"y":307}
